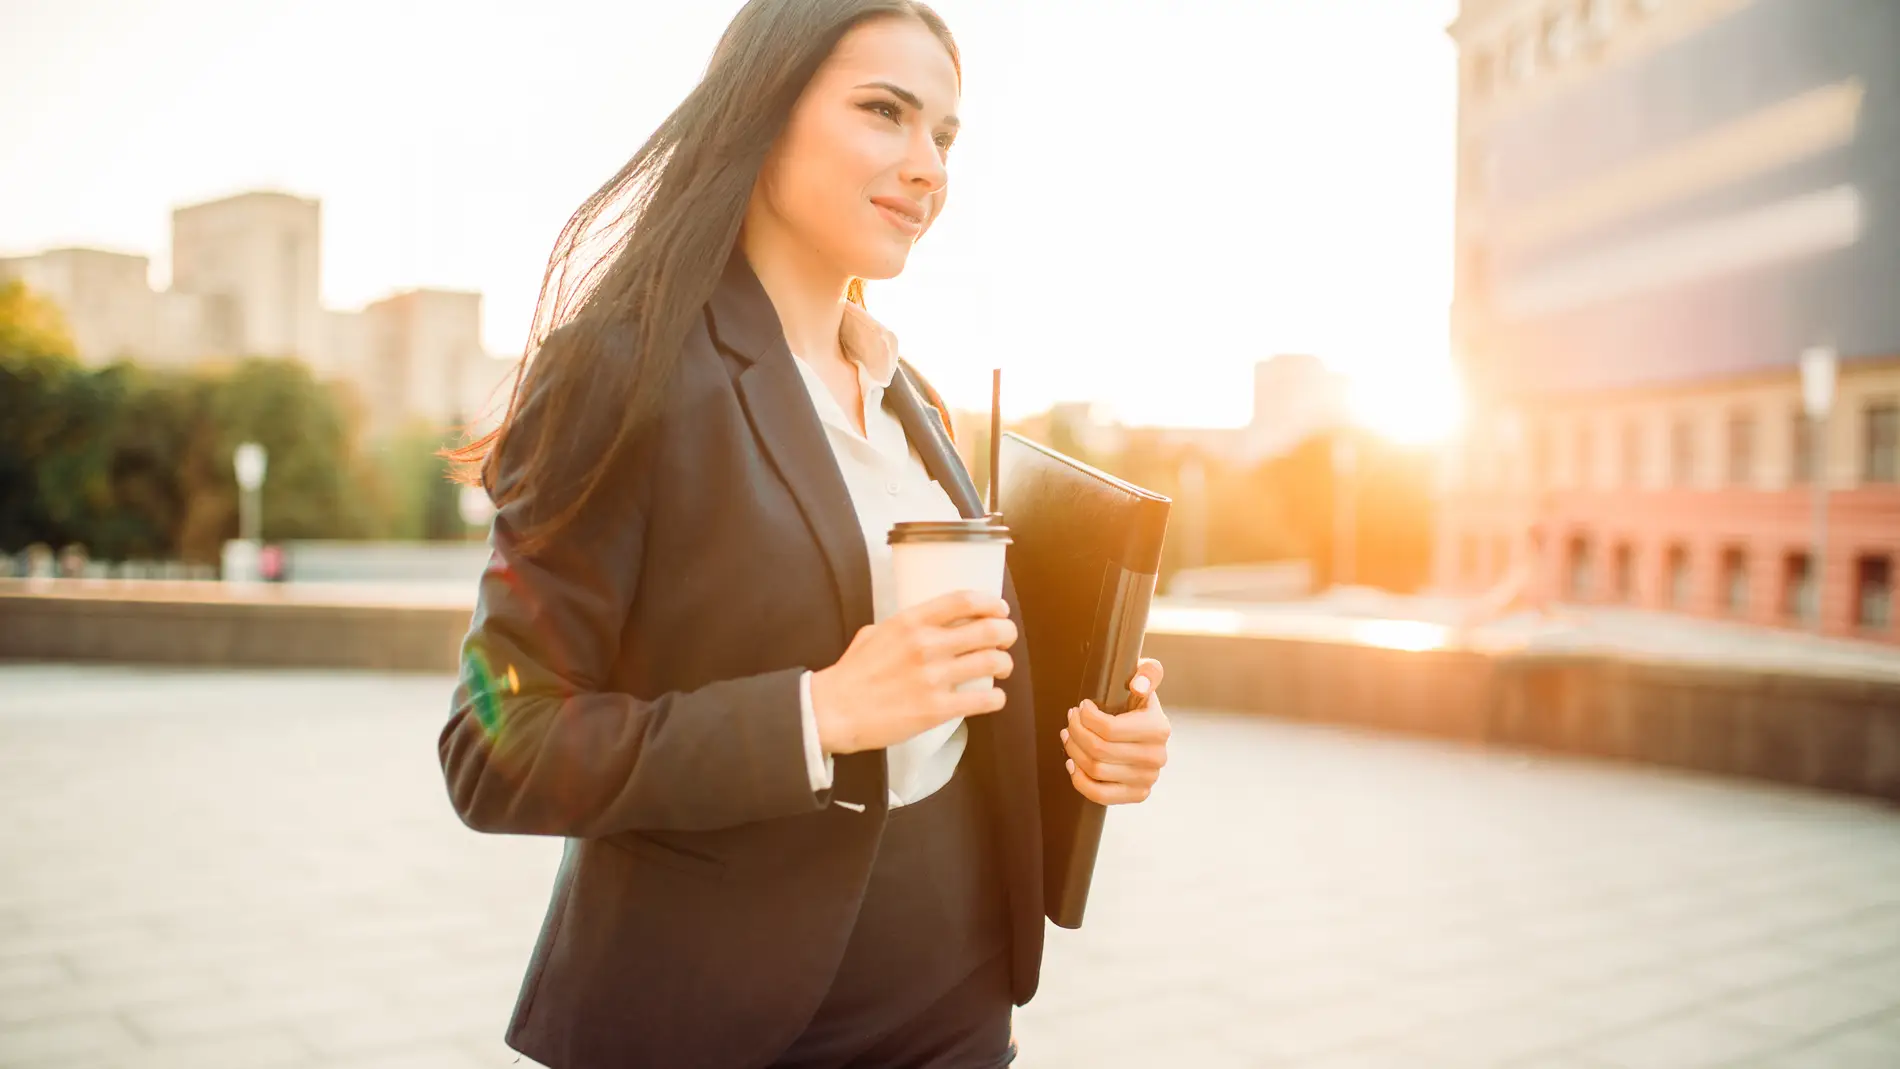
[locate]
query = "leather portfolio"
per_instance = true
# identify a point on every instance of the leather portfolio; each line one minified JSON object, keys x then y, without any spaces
{"x":1085,"y":554}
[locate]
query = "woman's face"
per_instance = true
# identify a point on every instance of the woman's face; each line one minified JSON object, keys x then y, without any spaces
{"x":858,"y":174}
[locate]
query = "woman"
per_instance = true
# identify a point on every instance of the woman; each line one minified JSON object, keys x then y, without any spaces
{"x":789,"y":841}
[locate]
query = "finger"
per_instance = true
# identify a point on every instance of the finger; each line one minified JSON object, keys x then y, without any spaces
{"x":959,"y":605}
{"x":977,"y":702}
{"x":1136,"y":725}
{"x":1140,"y":765}
{"x":1139,"y":774}
{"x":1146,"y":680}
{"x":987,"y":633}
{"x":1120,"y":753}
{"x":1105,"y":793}
{"x":976,"y":664}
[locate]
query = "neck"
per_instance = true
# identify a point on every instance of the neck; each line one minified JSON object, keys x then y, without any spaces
{"x":805,"y":292}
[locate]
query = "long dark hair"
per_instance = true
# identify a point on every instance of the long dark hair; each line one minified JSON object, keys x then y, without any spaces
{"x":640,"y":258}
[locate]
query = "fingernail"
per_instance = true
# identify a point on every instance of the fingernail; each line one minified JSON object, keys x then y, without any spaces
{"x":1070,"y":763}
{"x":1065,"y":734}
{"x":1141,"y":684}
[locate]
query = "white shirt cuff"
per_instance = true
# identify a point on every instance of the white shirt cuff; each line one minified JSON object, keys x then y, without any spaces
{"x":817,"y":762}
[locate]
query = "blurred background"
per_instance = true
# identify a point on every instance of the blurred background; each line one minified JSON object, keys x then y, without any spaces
{"x":1525,"y":375}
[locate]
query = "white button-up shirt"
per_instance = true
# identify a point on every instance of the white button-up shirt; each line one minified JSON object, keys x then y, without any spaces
{"x":888,"y":484}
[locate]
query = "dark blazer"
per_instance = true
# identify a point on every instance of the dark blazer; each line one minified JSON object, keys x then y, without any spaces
{"x":633,"y":686}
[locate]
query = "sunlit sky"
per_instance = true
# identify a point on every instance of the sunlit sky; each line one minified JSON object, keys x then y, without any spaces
{"x":1147,"y":197}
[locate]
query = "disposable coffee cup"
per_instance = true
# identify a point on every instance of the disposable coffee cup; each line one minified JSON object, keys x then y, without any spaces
{"x":930,"y":558}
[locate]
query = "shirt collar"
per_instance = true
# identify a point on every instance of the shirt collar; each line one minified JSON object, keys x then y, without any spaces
{"x":869,"y":343}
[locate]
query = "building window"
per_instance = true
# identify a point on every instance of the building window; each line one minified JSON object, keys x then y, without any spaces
{"x":1599,"y":16}
{"x":1483,"y":75}
{"x":1632,"y":451}
{"x":1881,"y":459}
{"x":1468,"y":558}
{"x":1873,"y":593}
{"x":1741,"y":449}
{"x":1540,"y":456}
{"x":1520,"y":59}
{"x":1500,"y":556}
{"x":1585,"y":463}
{"x":1578,"y":568}
{"x":1623,"y":573}
{"x":1677,"y":577}
{"x":1560,"y":34}
{"x":1681,"y":453}
{"x":1797,"y":588}
{"x":1735,"y":581}
{"x":1801,"y":463}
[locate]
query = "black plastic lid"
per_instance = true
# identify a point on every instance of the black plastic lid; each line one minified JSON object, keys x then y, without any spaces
{"x":981,"y":529}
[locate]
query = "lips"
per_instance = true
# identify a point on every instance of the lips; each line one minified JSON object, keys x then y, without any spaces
{"x":903,"y":211}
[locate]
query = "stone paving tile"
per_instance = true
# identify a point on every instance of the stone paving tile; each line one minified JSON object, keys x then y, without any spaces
{"x":64,"y":1041}
{"x":67,"y":997}
{"x":268,"y":1049}
{"x":1690,"y":1042}
{"x":428,"y":1056}
{"x":1810,"y":1005}
{"x":1848,"y":1049}
{"x":287,"y":886}
{"x":23,"y":974}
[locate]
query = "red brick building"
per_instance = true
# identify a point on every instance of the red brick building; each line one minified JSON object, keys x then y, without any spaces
{"x":1662,"y":204}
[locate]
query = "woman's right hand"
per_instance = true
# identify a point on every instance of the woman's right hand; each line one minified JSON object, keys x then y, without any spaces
{"x":897,"y":677}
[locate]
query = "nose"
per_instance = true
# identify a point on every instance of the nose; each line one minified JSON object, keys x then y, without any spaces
{"x":923,"y":168}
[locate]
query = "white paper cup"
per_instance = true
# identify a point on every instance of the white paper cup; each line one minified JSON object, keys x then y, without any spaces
{"x":930,"y":558}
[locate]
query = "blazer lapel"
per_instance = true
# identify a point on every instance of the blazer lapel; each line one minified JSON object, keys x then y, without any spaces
{"x":779,"y":407}
{"x":1009,"y":736}
{"x":923,"y":425}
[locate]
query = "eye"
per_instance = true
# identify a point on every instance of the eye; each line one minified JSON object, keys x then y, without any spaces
{"x":885,"y":108}
{"x":944,"y":141}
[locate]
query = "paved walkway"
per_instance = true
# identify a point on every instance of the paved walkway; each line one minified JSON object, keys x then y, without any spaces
{"x":256,"y":869}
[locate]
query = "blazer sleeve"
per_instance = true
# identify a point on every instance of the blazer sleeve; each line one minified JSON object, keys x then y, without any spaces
{"x":538,"y":742}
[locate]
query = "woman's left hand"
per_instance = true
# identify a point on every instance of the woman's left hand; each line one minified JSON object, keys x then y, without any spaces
{"x":1115,"y":759}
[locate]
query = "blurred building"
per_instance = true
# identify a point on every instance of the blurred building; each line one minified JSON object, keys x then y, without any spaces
{"x":1662,"y":204}
{"x":246,"y":282}
{"x":260,"y":253}
{"x":425,"y":361}
{"x":1295,"y":397}
{"x":106,"y":297}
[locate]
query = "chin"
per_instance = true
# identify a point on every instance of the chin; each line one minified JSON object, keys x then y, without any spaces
{"x":879,"y":268}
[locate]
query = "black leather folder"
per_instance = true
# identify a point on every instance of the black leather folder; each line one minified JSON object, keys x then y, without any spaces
{"x":1086,"y":550}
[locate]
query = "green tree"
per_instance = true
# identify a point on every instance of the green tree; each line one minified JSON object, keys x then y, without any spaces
{"x":421,"y":501}
{"x":313,"y":482}
{"x":39,"y":381}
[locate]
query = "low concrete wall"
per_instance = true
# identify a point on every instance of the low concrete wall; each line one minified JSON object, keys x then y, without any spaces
{"x":1832,"y":732}
{"x":1836,"y":732}
{"x":385,"y":562}
{"x":206,"y":624}
{"x":1435,"y":692}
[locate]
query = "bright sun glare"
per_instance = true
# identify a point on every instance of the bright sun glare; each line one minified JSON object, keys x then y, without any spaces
{"x":1420,"y":406}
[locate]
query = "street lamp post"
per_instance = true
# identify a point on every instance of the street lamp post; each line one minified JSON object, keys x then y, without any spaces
{"x":1194,"y":510}
{"x":473,"y":503}
{"x":249,"y":461}
{"x":1509,"y":441}
{"x":242,"y":555}
{"x":1345,"y":465}
{"x":1818,"y":368}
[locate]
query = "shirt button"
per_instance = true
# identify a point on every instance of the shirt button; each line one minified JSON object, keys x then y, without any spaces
{"x":894,"y":487}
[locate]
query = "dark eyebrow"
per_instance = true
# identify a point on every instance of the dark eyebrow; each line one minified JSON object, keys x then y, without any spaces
{"x":910,"y":98}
